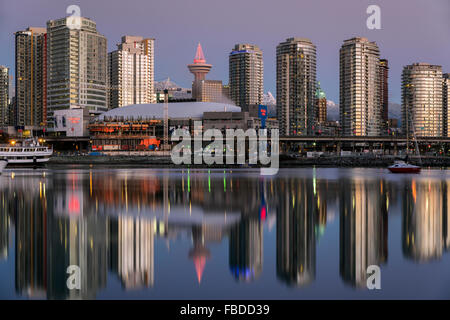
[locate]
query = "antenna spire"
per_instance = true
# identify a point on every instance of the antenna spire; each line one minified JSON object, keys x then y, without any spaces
{"x":199,"y":56}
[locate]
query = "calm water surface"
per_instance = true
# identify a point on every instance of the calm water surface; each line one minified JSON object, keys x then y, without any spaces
{"x":199,"y":234}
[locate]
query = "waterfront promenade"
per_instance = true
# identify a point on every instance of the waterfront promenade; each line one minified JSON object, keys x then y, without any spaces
{"x":286,"y":161}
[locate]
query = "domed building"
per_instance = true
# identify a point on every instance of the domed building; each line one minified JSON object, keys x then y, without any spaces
{"x":140,"y":127}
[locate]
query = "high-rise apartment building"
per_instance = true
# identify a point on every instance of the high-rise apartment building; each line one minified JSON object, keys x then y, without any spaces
{"x":31,"y":78}
{"x":445,"y":101}
{"x":4,"y":95}
{"x":296,"y":86}
{"x":210,"y":91}
{"x":131,"y":72}
{"x":384,"y":94}
{"x":77,"y":66}
{"x":359,"y":94}
{"x":422,"y":103}
{"x":246,"y":75}
{"x":321,"y":105}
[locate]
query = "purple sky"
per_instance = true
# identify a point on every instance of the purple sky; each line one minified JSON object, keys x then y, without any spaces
{"x":412,"y":31}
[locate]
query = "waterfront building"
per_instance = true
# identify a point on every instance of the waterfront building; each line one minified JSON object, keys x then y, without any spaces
{"x":131,"y":72}
{"x":321,"y":105}
{"x":31,"y":77}
{"x":141,"y":127}
{"x":71,"y":122}
{"x":359,"y":102}
{"x":246,"y":119}
{"x":384,"y":95}
{"x":296,"y":86}
{"x":77,"y":67}
{"x":422,"y":103}
{"x":4,"y":95}
{"x":246,"y":75}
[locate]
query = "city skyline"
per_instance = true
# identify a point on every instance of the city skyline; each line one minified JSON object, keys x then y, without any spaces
{"x":398,"y":42}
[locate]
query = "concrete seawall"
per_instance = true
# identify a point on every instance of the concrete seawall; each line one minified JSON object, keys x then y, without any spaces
{"x":285,"y":161}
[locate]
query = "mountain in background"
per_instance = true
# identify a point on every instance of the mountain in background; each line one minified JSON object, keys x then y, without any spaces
{"x":271,"y":103}
{"x":165,"y":84}
{"x":395,"y":112}
{"x":332,"y":108}
{"x":333,"y":111}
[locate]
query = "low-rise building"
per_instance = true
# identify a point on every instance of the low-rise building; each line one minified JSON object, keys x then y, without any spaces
{"x":71,"y":122}
{"x":141,"y":127}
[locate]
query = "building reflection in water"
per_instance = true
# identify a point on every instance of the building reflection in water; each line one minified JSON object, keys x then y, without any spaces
{"x":132,"y":254}
{"x":78,"y":236}
{"x":5,"y":225}
{"x":425,"y":220}
{"x":29,"y":207}
{"x":246,"y":249}
{"x":296,"y":240}
{"x":110,"y":222}
{"x":446,"y":218}
{"x":363,"y":228}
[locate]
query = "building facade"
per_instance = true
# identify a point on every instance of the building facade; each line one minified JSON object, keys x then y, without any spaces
{"x":384,"y":95}
{"x":31,"y":78}
{"x":246,"y":75}
{"x":422,"y":103}
{"x":77,"y":67}
{"x":131,"y":72}
{"x":359,"y":94}
{"x":209,"y":91}
{"x":445,"y":101}
{"x":321,"y":106}
{"x":4,"y":95}
{"x":296,"y":86}
{"x":71,"y":122}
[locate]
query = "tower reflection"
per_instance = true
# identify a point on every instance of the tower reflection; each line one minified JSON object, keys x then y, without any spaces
{"x":246,"y":249}
{"x":425,"y":220}
{"x":296,"y":241}
{"x":363,"y":228}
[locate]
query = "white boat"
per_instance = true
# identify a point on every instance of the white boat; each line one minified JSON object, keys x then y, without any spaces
{"x":403,"y":166}
{"x":3,"y":164}
{"x":26,"y":153}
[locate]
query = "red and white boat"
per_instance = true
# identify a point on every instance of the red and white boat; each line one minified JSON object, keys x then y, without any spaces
{"x":404,"y":167}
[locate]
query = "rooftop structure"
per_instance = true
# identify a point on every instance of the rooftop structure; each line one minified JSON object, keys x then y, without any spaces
{"x":199,"y":69}
{"x":179,"y":110}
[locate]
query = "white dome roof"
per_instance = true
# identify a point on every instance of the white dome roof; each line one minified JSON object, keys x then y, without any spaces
{"x":179,"y":110}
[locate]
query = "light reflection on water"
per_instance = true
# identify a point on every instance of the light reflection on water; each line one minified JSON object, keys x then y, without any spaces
{"x":145,"y":233}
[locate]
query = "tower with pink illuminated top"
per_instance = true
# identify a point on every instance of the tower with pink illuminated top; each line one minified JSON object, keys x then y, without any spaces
{"x":199,"y":68}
